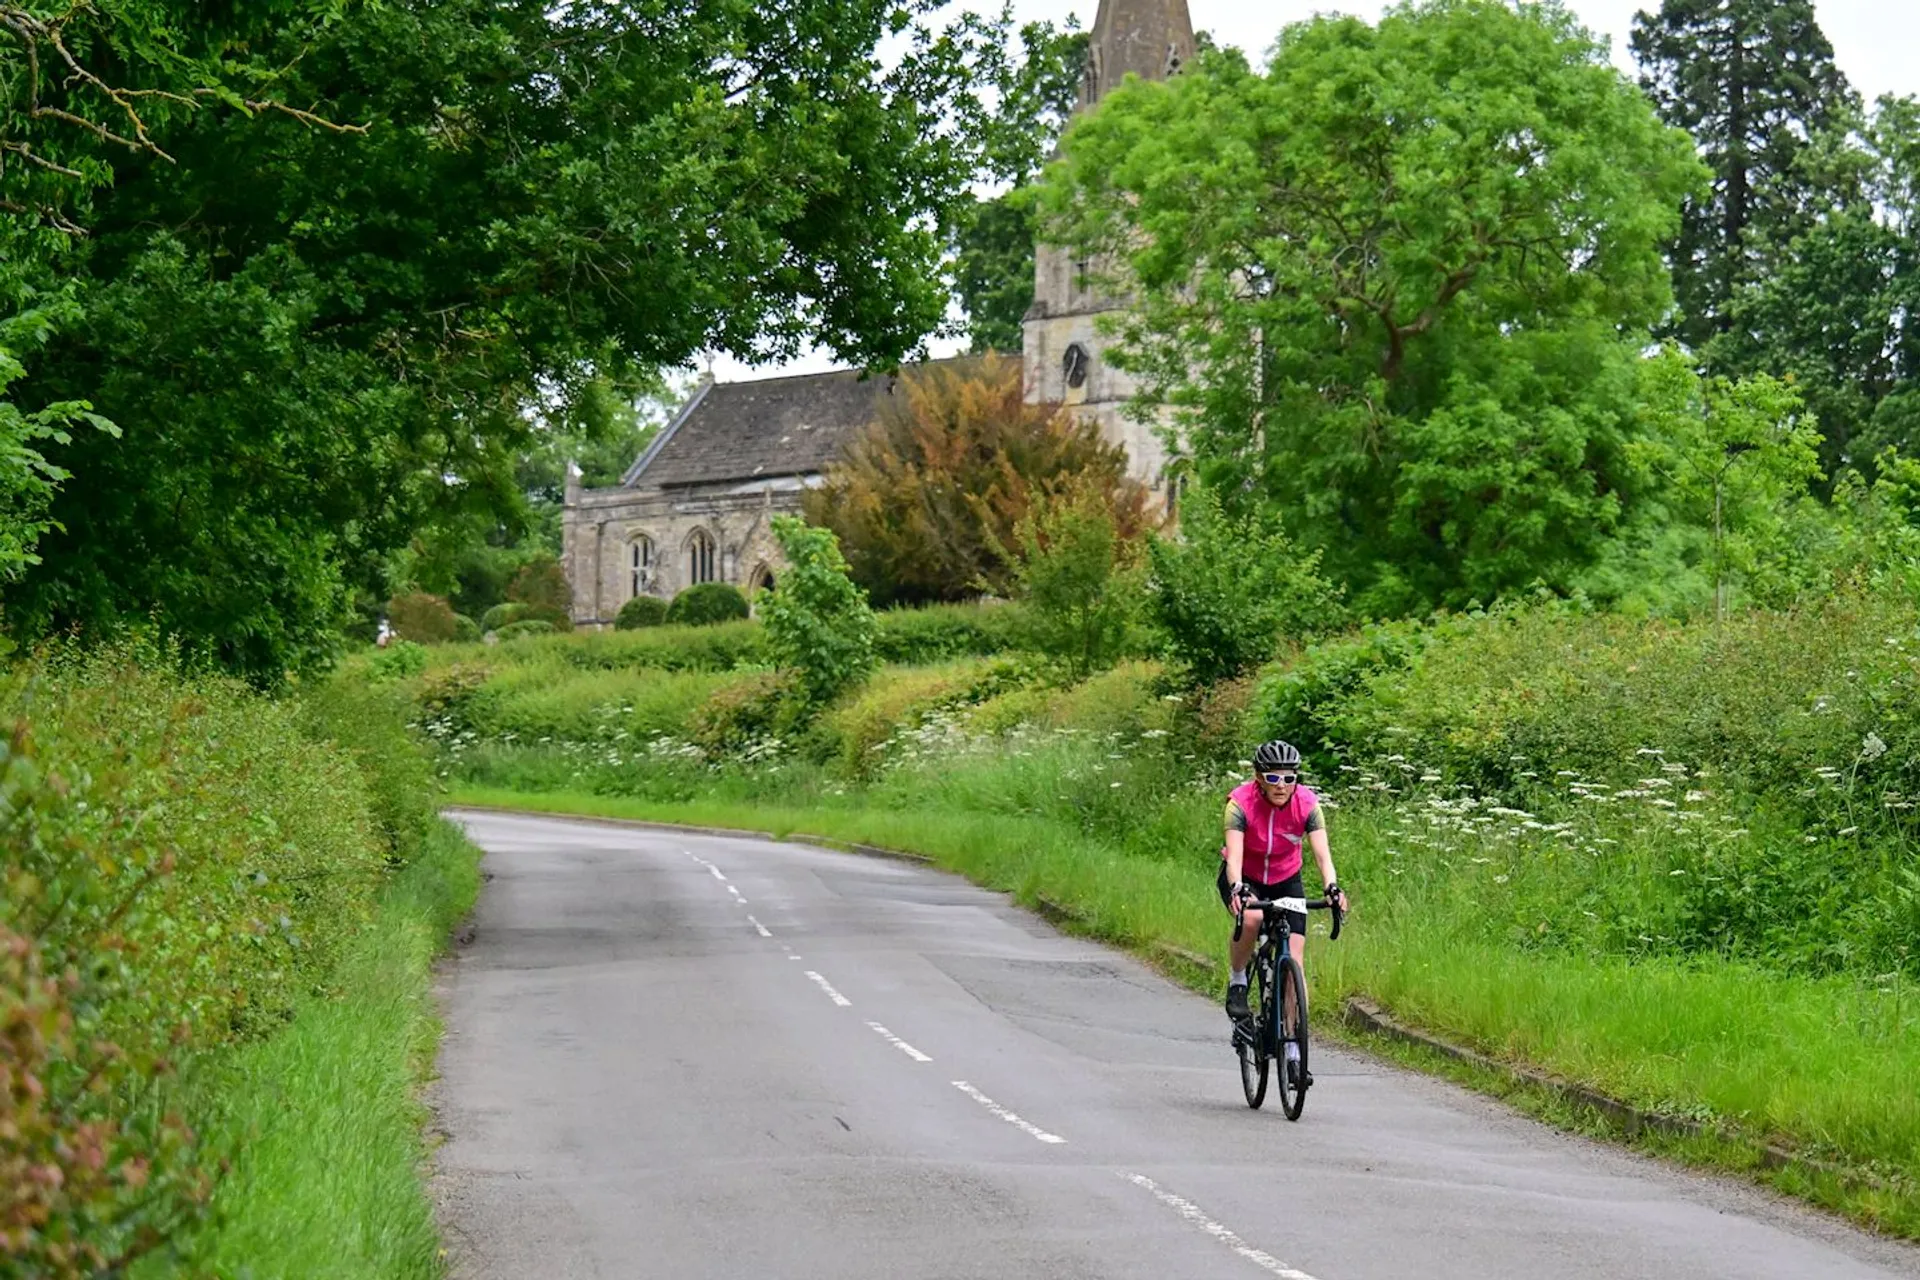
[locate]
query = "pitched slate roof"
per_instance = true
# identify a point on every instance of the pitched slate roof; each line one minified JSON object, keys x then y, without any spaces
{"x":743,"y":431}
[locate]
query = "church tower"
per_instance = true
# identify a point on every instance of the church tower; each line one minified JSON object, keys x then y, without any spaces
{"x":1061,"y":340}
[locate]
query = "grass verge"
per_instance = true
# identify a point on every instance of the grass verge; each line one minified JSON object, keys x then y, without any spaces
{"x":322,"y":1121}
{"x":1821,"y":1065}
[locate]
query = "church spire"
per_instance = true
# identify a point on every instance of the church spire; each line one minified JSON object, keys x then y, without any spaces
{"x":1151,"y":38}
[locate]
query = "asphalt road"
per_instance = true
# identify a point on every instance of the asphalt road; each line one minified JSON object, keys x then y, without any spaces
{"x":683,"y":1057}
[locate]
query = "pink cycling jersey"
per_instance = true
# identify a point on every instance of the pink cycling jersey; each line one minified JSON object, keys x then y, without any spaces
{"x":1274,"y":833}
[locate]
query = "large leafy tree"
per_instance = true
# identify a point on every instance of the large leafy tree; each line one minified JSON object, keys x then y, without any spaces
{"x":993,"y":247}
{"x":317,"y":342}
{"x":1754,"y":82}
{"x":83,"y":87}
{"x":1836,"y":312}
{"x":1395,"y":286}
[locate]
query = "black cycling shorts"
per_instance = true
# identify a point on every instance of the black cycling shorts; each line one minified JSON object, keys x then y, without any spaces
{"x":1291,"y":887}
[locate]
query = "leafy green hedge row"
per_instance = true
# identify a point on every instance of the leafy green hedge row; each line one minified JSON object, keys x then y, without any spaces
{"x":181,"y":861}
{"x":1503,"y":699}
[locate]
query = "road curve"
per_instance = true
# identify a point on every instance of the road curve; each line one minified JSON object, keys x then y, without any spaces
{"x":684,"y":1057}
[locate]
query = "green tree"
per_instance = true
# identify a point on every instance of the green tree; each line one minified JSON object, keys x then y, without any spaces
{"x":818,"y":623}
{"x":319,"y":344}
{"x":1734,"y":458}
{"x":993,"y":247}
{"x":1079,"y":576}
{"x":1227,"y":591}
{"x":82,"y":88}
{"x":1392,"y":287}
{"x":1752,"y":81}
{"x":1835,"y":312}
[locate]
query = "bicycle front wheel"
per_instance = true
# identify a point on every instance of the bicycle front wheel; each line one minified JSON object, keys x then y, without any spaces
{"x":1290,"y":1028}
{"x":1250,"y":1039}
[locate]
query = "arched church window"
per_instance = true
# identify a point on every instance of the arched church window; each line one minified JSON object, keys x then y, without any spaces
{"x":700,"y":557}
{"x":1074,"y":365}
{"x":762,"y":578}
{"x":640,"y":565}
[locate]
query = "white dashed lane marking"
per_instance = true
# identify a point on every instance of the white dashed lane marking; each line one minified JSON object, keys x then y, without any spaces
{"x":716,"y":873}
{"x":827,"y":987}
{"x":757,"y":925}
{"x":1194,"y":1214}
{"x":1025,"y":1126}
{"x":899,"y":1044}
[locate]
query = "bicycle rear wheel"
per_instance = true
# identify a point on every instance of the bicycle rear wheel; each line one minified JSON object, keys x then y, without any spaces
{"x":1291,"y":991}
{"x":1250,"y":1038}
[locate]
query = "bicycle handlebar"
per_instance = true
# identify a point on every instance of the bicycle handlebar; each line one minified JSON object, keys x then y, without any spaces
{"x":1287,"y":904}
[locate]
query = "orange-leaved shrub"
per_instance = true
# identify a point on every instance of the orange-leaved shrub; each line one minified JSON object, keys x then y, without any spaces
{"x":178,"y":863}
{"x":954,"y":460}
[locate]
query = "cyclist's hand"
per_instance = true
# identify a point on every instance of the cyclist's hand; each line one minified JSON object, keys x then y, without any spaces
{"x":1237,"y":899}
{"x":1338,"y":897}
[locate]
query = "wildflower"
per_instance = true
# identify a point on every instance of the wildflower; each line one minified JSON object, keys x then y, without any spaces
{"x":1500,"y":879}
{"x":1649,"y":751}
{"x":1872,"y":748}
{"x":1849,"y":831}
{"x":1695,"y":797}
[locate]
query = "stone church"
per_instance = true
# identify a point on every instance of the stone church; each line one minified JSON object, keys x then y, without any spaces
{"x":697,"y":505}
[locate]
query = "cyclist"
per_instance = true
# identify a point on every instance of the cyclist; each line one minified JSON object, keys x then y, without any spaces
{"x":1268,"y":819}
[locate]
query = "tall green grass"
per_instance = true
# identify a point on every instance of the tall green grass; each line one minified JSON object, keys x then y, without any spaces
{"x":322,"y":1123}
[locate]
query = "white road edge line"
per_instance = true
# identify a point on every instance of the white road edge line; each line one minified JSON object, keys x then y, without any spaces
{"x":1025,"y":1126}
{"x":762,"y":928}
{"x":899,"y":1044}
{"x":827,"y":987}
{"x":1194,"y":1214}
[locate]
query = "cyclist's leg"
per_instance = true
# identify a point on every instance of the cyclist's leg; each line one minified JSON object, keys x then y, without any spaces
{"x":1240,"y":950}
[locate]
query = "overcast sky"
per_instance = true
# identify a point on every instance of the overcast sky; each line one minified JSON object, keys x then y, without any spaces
{"x":1876,"y":43}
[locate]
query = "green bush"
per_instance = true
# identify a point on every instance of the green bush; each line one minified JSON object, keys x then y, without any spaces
{"x":1228,"y":590}
{"x":818,"y":623}
{"x":641,"y":611}
{"x":398,"y":661}
{"x":179,"y":863}
{"x":503,"y":615}
{"x":936,"y":633}
{"x":746,"y":717}
{"x":1301,"y":700}
{"x":422,"y":618}
{"x":1079,"y":579}
{"x":900,"y":699}
{"x":526,"y":627}
{"x":370,"y":721}
{"x":707,"y":603}
{"x":465,"y":629}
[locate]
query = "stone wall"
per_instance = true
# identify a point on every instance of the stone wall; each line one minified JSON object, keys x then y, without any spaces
{"x":600,"y":526}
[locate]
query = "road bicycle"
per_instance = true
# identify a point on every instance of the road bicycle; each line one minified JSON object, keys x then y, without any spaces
{"x":1277,"y":999}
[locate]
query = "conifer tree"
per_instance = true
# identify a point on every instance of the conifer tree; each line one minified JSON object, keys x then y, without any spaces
{"x":1754,"y":82}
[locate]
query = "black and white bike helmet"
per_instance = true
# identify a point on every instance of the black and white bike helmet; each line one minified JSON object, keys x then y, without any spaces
{"x":1275,"y":755}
